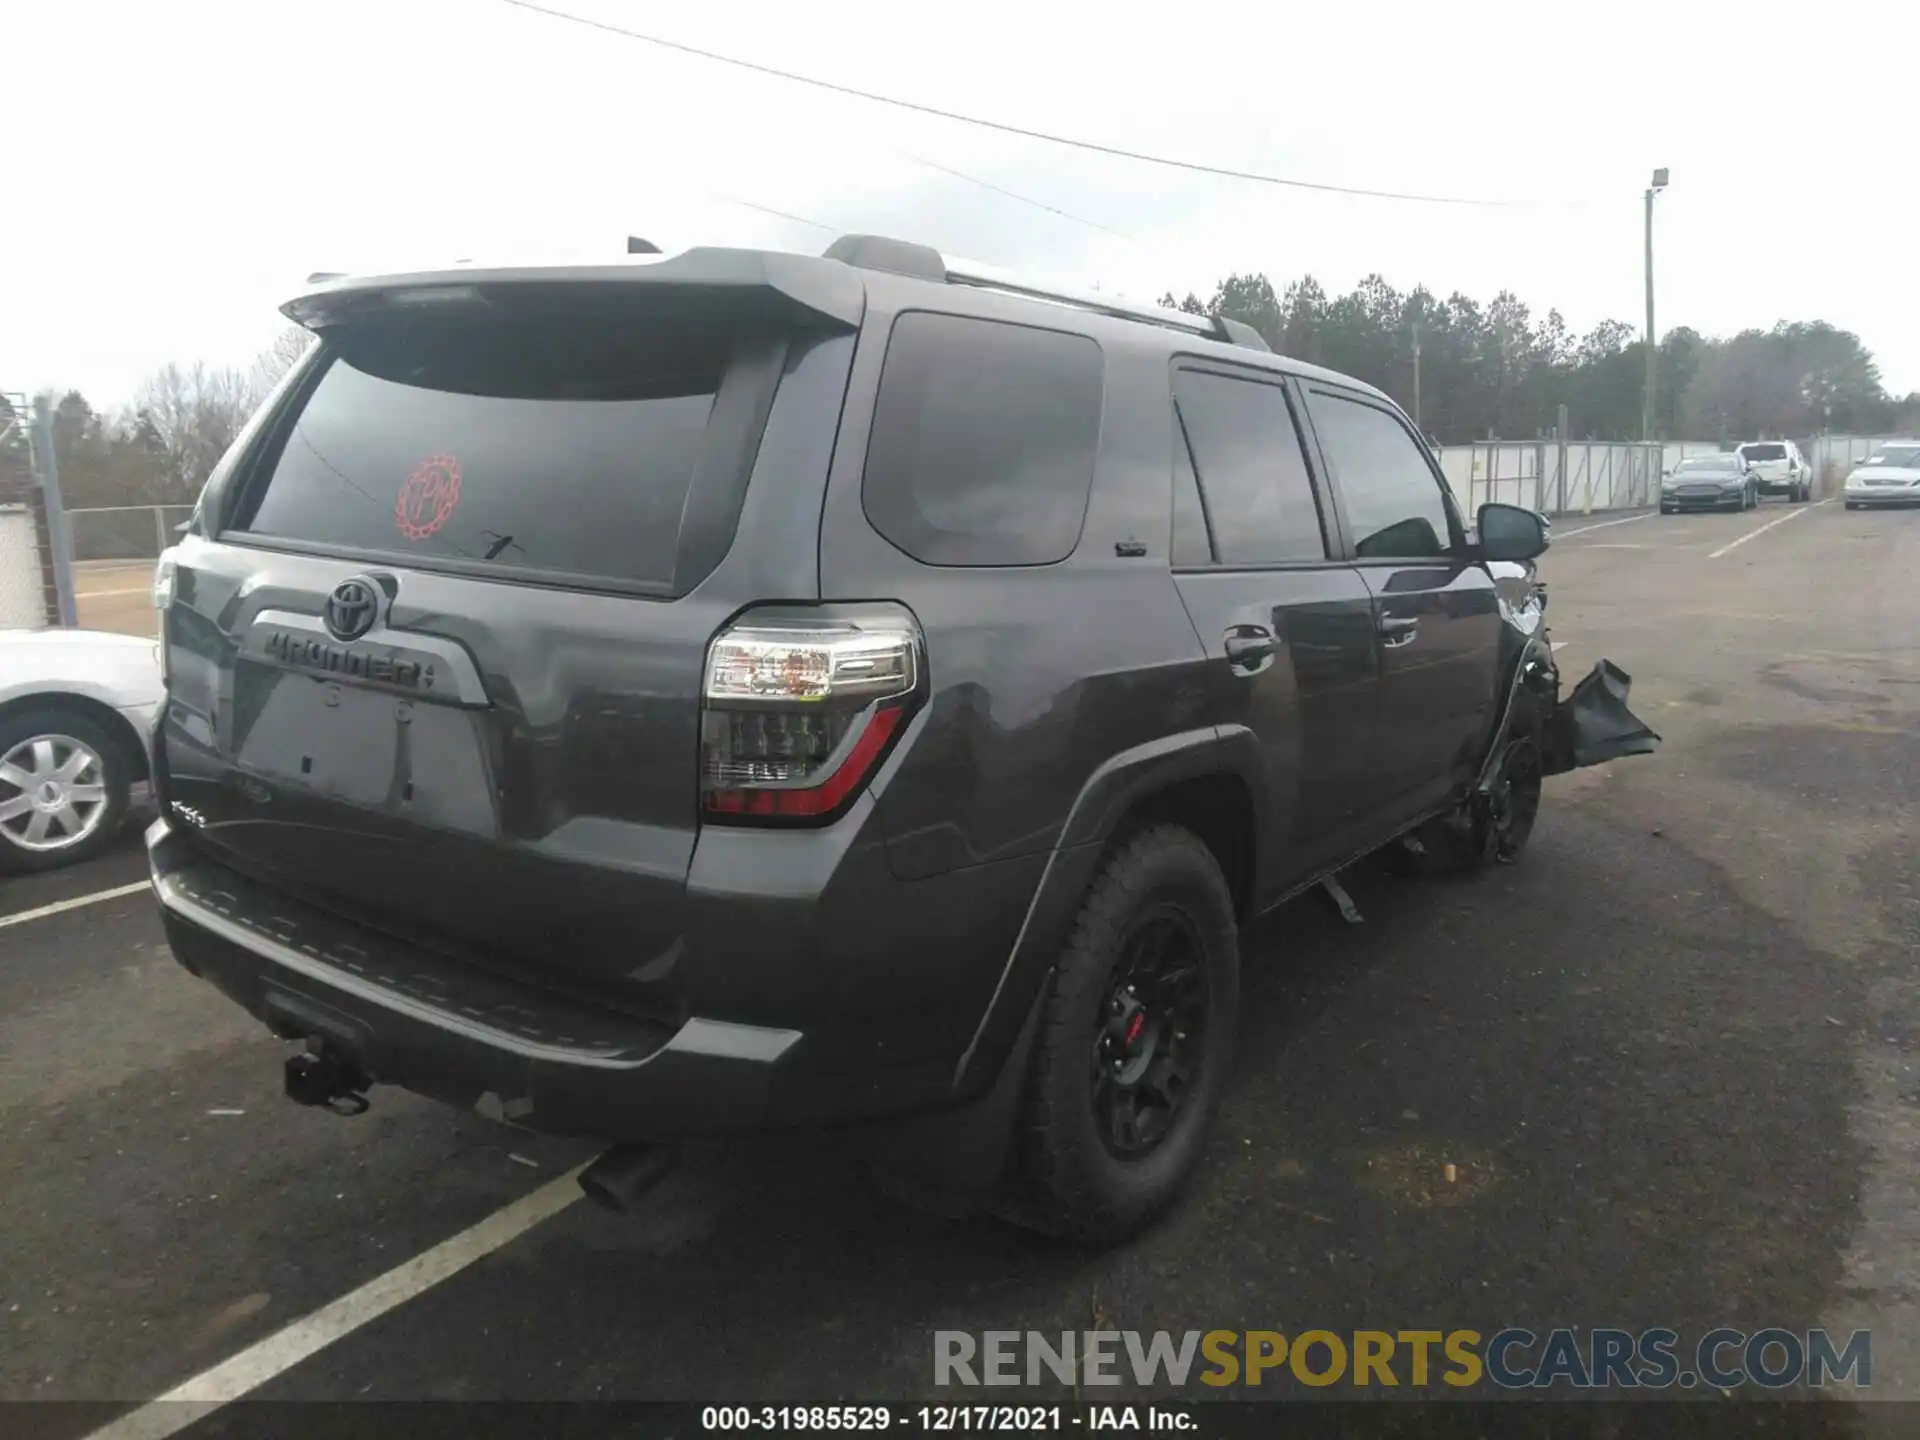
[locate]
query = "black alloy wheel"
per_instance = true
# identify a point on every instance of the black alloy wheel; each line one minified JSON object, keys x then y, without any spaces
{"x":1150,"y":1033}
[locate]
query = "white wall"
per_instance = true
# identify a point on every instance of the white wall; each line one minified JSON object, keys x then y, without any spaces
{"x":1599,"y":476}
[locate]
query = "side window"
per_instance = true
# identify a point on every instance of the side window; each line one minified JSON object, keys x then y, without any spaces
{"x":1246,"y":450}
{"x":1395,"y":507}
{"x":983,"y":443}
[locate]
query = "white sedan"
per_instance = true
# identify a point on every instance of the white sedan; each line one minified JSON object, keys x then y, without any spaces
{"x":1889,"y":476}
{"x":76,"y":710}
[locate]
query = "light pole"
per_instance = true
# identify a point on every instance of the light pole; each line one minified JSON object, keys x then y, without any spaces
{"x":1646,"y":414}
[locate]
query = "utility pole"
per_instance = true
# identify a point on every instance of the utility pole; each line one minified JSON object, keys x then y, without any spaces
{"x":1416,"y":378}
{"x":1647,"y":408}
{"x":46,"y":474}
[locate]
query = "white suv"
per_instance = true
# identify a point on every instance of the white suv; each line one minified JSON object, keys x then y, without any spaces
{"x":1778,"y":468}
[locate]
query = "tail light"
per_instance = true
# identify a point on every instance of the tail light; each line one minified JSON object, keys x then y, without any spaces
{"x":798,"y":712}
{"x":163,"y":573}
{"x":164,"y":570}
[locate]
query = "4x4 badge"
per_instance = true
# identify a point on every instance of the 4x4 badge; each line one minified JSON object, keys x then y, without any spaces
{"x":352,"y":609}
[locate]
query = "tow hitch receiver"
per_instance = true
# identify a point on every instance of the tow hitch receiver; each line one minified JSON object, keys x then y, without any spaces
{"x":326,"y":1077}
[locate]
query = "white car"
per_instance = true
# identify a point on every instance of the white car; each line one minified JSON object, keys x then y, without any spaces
{"x":76,"y":711}
{"x":1778,"y":468}
{"x":1889,"y":476}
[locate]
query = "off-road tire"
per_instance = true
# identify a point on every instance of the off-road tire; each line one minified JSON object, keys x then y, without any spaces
{"x":1069,"y":1185}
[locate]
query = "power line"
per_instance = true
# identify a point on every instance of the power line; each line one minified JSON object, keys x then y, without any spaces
{"x":1195,"y":167}
{"x":779,"y":214}
{"x":1011,"y":195}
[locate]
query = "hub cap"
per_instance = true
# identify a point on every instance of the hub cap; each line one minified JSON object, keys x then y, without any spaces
{"x":1149,"y":1033}
{"x":53,"y":793}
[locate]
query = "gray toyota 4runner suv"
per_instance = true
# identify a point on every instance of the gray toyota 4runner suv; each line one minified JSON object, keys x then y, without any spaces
{"x":745,"y":690}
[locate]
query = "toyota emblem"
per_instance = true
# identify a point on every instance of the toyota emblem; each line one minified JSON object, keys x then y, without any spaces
{"x":352,"y":609}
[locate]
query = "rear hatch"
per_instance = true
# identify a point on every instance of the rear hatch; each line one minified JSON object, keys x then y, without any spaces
{"x":434,"y":653}
{"x":1767,"y":460}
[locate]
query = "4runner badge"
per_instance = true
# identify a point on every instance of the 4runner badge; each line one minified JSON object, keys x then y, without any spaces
{"x":310,"y":652}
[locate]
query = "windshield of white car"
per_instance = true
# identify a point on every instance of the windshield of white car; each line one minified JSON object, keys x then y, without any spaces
{"x":1907,"y":457}
{"x":1764,"y":452}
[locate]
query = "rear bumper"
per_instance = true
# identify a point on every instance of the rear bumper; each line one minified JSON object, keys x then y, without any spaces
{"x":435,"y":1026}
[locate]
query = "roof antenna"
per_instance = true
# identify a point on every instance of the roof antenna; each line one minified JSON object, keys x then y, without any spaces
{"x":637,"y":246}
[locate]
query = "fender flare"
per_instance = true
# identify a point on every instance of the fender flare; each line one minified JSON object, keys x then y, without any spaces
{"x":1532,"y":674}
{"x":1116,"y":786}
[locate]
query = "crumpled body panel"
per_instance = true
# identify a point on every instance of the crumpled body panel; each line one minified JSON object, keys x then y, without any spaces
{"x":1593,"y":725}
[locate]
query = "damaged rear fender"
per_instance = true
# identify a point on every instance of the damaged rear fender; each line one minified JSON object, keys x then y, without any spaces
{"x":1533,"y":683}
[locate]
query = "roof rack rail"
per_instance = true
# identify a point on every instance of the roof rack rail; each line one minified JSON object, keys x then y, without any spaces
{"x":923,"y":262}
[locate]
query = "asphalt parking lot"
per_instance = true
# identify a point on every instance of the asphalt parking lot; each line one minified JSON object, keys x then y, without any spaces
{"x":1671,"y":1057}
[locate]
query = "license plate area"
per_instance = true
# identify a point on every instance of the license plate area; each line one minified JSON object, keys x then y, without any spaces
{"x":369,"y":749}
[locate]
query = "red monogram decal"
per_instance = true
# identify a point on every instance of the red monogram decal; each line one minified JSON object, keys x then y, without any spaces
{"x":428,"y":497}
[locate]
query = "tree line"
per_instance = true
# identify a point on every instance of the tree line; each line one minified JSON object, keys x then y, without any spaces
{"x":1497,"y":371}
{"x":1484,"y":371}
{"x":158,"y":448}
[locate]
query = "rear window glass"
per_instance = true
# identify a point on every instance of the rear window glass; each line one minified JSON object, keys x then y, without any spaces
{"x":1764,"y":452}
{"x":983,"y":443}
{"x":549,"y":444}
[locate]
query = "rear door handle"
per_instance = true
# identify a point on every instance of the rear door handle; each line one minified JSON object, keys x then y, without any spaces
{"x":1398,"y":630}
{"x":1249,"y":648}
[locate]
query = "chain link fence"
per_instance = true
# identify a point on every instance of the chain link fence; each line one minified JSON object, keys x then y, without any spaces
{"x":28,"y":599}
{"x":114,"y":550}
{"x":30,"y":568}
{"x":124,"y":532}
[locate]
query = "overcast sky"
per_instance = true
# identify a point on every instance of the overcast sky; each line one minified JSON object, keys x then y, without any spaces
{"x":178,"y":168}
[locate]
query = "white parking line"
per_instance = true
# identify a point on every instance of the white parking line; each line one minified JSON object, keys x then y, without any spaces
{"x":104,"y":594}
{"x":1569,"y":534}
{"x":1761,"y":530}
{"x":192,"y":1401}
{"x":60,"y":907}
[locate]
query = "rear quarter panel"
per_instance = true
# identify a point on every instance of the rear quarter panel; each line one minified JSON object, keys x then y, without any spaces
{"x":1039,"y":674}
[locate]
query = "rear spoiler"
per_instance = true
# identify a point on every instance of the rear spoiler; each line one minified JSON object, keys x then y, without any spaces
{"x":831,"y":291}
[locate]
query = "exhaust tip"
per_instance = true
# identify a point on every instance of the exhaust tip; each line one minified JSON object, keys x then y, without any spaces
{"x":622,"y":1177}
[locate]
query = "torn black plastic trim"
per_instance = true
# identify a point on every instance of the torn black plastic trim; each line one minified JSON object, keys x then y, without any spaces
{"x":1593,"y":725}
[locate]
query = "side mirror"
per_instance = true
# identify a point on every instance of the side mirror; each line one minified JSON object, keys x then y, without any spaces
{"x":1509,"y":532}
